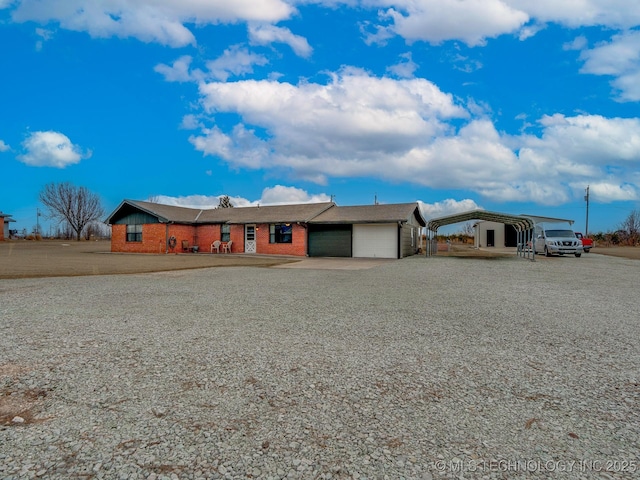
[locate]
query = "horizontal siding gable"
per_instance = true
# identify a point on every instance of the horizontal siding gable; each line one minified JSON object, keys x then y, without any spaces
{"x":136,"y":218}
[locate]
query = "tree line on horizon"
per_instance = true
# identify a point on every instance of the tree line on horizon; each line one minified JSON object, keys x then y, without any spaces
{"x":79,"y":213}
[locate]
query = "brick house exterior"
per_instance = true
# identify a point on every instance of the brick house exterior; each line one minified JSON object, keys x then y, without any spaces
{"x":156,"y":225}
{"x":144,"y":227}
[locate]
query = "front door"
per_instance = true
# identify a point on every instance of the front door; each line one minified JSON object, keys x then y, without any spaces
{"x":249,"y":239}
{"x":491,"y":235}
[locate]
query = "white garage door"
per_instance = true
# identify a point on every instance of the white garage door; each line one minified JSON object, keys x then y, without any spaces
{"x":373,"y":240}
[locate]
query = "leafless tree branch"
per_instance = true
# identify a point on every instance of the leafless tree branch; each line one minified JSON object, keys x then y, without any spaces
{"x":75,"y":205}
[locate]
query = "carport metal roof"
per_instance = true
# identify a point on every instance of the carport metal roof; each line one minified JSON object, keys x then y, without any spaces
{"x":523,"y":224}
{"x":520,"y":222}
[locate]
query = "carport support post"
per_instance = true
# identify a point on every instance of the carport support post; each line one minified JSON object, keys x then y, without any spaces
{"x":528,"y":237}
{"x":428,"y":248}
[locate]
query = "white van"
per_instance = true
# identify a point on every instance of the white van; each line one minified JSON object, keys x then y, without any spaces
{"x":556,"y":239}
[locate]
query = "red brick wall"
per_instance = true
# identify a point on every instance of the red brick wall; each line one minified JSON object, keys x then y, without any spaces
{"x":1,"y":229}
{"x":207,"y":234}
{"x":154,"y":237}
{"x":237,"y":237}
{"x":182,"y":232}
{"x":298,"y":246}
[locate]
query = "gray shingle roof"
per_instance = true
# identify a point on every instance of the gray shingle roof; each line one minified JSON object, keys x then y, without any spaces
{"x":267,"y":214}
{"x":327,"y":212}
{"x":398,"y":212}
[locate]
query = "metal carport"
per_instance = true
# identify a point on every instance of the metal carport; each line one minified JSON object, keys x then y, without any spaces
{"x":523,"y":224}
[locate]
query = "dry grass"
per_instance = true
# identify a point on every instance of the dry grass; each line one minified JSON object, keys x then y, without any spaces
{"x":57,"y":258}
{"x":623,"y":252}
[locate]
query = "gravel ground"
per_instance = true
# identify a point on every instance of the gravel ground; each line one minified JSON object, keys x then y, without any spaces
{"x":419,"y":368}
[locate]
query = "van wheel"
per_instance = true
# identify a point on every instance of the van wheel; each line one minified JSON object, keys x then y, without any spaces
{"x":546,"y":252}
{"x":578,"y":255}
{"x":586,"y":250}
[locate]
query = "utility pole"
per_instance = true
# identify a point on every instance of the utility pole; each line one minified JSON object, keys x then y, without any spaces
{"x":586,"y":225}
{"x":37,"y":221}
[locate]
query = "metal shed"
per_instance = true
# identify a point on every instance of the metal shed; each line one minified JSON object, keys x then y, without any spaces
{"x":523,"y":224}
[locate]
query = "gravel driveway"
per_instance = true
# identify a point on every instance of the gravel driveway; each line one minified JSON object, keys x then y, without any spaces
{"x":417,"y":368}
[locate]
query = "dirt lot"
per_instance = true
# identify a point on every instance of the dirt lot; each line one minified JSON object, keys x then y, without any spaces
{"x":57,"y":258}
{"x":624,"y":252}
{"x":469,"y":251}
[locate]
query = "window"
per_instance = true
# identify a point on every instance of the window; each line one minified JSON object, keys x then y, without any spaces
{"x":280,"y":233}
{"x":225,"y":233}
{"x":134,"y":233}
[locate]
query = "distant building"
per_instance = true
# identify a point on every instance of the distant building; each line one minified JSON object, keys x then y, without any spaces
{"x":496,"y":234}
{"x":5,"y":218}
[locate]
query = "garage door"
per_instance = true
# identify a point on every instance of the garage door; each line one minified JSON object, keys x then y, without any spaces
{"x":374,"y":240}
{"x":329,"y":240}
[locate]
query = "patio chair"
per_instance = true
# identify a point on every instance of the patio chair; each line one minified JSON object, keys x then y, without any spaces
{"x":226,"y":248}
{"x":216,"y":246}
{"x":185,"y":246}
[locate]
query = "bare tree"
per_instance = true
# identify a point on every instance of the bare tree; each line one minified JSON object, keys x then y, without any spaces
{"x":96,"y":230}
{"x":468,"y":229}
{"x":631,"y":227}
{"x":76,"y":206}
{"x":225,"y":202}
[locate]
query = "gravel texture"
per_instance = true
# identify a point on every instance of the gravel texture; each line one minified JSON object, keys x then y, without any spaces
{"x":419,"y":368}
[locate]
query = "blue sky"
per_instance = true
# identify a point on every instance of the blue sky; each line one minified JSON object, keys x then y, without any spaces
{"x":507,"y":105}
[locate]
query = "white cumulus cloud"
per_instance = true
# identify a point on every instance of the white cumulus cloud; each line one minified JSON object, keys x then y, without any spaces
{"x":178,"y":71}
{"x":579,"y":13}
{"x":446,"y":207}
{"x":589,"y":139}
{"x":161,"y":21}
{"x":607,"y":192}
{"x":475,"y":21}
{"x":276,"y":195}
{"x":435,"y":21}
{"x":619,"y":58}
{"x":236,"y":61}
{"x":280,"y":195}
{"x":4,"y":147}
{"x":51,"y":149}
{"x":267,"y":34}
{"x":359,"y":126}
{"x":405,"y":68}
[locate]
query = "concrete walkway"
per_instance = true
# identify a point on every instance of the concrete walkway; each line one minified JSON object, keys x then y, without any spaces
{"x":337,"y":263}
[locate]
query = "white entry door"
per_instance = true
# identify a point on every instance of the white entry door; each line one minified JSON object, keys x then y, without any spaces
{"x":249,"y":239}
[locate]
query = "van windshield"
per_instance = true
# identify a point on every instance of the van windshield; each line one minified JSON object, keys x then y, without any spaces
{"x":560,"y":233}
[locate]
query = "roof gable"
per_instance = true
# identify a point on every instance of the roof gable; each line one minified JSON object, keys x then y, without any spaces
{"x":163,"y":213}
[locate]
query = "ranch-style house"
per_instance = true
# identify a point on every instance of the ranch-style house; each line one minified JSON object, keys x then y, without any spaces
{"x":311,"y":229}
